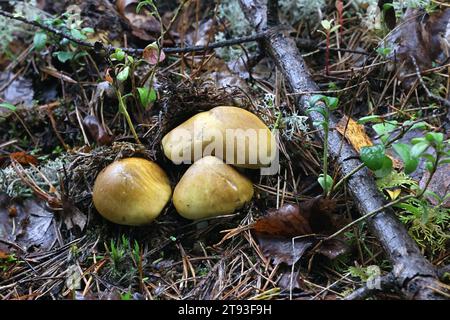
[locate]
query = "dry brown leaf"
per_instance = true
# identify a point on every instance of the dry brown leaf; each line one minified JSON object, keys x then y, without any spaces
{"x":284,"y":250}
{"x":4,"y":255}
{"x":285,"y":234}
{"x":426,"y":37}
{"x":96,"y":130}
{"x":32,"y":226}
{"x":23,"y":158}
{"x":354,"y":133}
{"x":358,"y":138}
{"x":144,"y":25}
{"x":311,"y":216}
{"x":287,"y":221}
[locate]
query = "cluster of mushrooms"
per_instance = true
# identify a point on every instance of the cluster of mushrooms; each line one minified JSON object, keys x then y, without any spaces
{"x":134,"y":191}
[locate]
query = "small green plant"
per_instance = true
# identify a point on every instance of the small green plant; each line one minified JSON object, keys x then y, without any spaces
{"x":327,"y":25}
{"x":126,"y":296}
{"x":69,"y":23}
{"x":7,"y":261}
{"x":428,"y":225}
{"x":118,"y":251}
{"x":375,"y":158}
{"x":384,"y":52}
{"x":327,"y":104}
{"x":125,"y":258}
{"x":365,"y":274}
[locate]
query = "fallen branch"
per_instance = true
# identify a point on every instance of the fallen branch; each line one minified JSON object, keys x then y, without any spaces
{"x":386,"y":283}
{"x":97,"y":46}
{"x":413,"y":274}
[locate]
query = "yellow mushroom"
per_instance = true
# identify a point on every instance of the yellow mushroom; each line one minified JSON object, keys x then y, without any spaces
{"x":232,"y":134}
{"x":211,"y":188}
{"x":131,"y":191}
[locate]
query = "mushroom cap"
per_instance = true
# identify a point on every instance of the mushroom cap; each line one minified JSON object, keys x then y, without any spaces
{"x":131,"y":191}
{"x":211,"y":188}
{"x":233,"y":134}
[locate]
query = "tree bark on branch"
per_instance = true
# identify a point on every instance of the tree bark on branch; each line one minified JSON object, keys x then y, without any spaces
{"x":414,"y":276}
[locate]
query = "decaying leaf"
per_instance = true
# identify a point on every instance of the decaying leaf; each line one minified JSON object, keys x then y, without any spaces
{"x":426,"y":37}
{"x":152,"y":54}
{"x":31,"y":226}
{"x":354,"y":133}
{"x":4,"y":255}
{"x":17,"y":90}
{"x":287,"y":221}
{"x":144,"y":25}
{"x":23,"y":158}
{"x":72,"y":215}
{"x":96,"y":130}
{"x":333,"y":248}
{"x":284,"y":235}
{"x":358,"y":138}
{"x":284,"y":250}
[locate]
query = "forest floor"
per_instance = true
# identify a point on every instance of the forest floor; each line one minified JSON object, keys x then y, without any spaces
{"x":66,"y":65}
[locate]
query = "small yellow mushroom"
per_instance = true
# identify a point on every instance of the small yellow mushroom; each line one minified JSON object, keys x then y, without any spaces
{"x":232,"y":134}
{"x":211,"y":188}
{"x":131,"y":191}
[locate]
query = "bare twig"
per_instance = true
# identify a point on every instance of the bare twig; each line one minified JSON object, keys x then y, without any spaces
{"x":430,"y":95}
{"x":386,"y":283}
{"x":97,"y":46}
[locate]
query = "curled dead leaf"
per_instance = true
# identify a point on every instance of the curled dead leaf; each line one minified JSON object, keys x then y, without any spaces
{"x":286,"y":234}
{"x":23,"y":158}
{"x":152,"y":54}
{"x":287,"y":221}
{"x":143,"y":24}
{"x":96,"y":130}
{"x":424,"y":36}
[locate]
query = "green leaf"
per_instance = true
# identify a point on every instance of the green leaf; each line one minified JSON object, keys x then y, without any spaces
{"x":77,"y":34}
{"x":384,"y":129}
{"x":318,"y":123}
{"x":417,"y":140}
{"x":87,"y":30}
{"x":146,"y":96}
{"x":374,"y":118}
{"x":325,"y":182}
{"x":322,"y":111}
{"x":63,"y":56}
{"x":419,"y":148}
{"x":429,"y":157}
{"x":404,"y":151}
{"x":386,"y":168}
{"x":335,"y":28}
{"x":429,"y":166}
{"x":7,"y":105}
{"x":326,"y":24}
{"x":422,"y":125}
{"x":436,"y":137}
{"x":118,"y":55}
{"x":384,"y":51}
{"x":123,"y":75}
{"x":333,"y":103}
{"x":39,"y":41}
{"x":373,"y":156}
{"x":314,"y":99}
